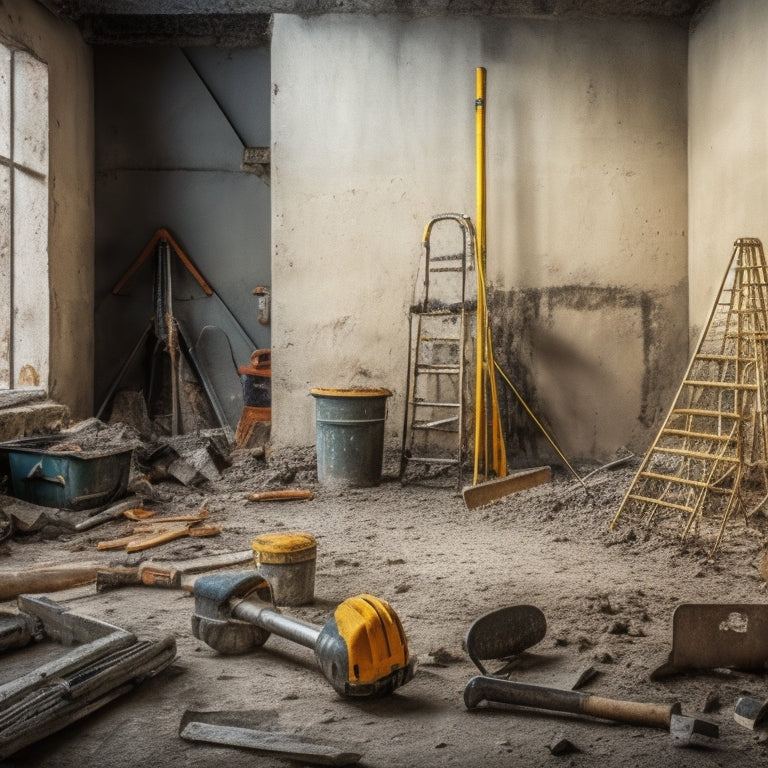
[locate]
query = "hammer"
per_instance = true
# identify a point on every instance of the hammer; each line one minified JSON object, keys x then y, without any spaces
{"x":684,"y":730}
{"x":362,"y":650}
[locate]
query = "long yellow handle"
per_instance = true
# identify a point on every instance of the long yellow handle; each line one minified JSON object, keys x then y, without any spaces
{"x":485,"y":368}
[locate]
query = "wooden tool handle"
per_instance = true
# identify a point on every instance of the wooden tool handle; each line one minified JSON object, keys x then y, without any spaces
{"x":161,"y":538}
{"x":540,"y":697}
{"x":281,"y":495}
{"x":631,"y":712}
{"x":46,"y":578}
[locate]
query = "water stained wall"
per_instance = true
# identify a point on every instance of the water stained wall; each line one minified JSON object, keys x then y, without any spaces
{"x":586,"y":186}
{"x":597,"y":366}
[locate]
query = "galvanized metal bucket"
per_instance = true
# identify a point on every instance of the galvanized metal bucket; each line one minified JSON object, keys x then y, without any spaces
{"x":350,"y":435}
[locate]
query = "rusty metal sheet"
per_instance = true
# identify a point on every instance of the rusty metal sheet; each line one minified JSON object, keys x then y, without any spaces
{"x":711,"y":635}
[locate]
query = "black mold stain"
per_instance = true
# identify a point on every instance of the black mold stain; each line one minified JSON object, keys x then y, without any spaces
{"x":517,"y":315}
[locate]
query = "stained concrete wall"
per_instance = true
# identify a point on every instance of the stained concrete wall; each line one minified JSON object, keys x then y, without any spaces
{"x":728,"y":143}
{"x":373,"y":132}
{"x":28,"y":25}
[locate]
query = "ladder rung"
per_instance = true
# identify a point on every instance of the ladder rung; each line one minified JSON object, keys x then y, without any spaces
{"x":442,"y":312}
{"x":440,"y":339}
{"x":432,"y":460}
{"x":696,"y":454}
{"x":720,"y":384}
{"x":448,"y":257}
{"x":445,"y":269}
{"x":437,"y":369}
{"x":750,"y":336}
{"x":697,"y":435}
{"x":436,"y":424}
{"x":670,"y":504}
{"x":674,"y":479}
{"x":703,"y":412}
{"x":422,"y":404}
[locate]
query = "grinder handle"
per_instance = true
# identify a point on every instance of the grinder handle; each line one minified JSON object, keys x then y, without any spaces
{"x":481,"y":688}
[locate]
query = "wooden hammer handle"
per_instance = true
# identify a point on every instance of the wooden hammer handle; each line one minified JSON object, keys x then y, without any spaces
{"x":630,"y":712}
{"x":540,"y":697}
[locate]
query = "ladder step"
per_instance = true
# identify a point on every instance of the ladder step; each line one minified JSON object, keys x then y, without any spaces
{"x":696,"y":454}
{"x":422,"y":404}
{"x":448,"y":257}
{"x":432,"y":270}
{"x":441,"y":339}
{"x":697,"y":435}
{"x":437,"y":423}
{"x":703,"y":412}
{"x":674,"y":479}
{"x":660,"y":502}
{"x":437,"y":369}
{"x":720,"y":385}
{"x":441,"y":312}
{"x":432,"y":460}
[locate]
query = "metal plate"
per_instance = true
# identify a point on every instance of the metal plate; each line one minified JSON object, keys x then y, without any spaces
{"x":731,"y":635}
{"x":504,"y":632}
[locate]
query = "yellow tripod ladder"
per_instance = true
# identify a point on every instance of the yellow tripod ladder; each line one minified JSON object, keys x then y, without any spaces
{"x":715,"y":433}
{"x":434,"y":432}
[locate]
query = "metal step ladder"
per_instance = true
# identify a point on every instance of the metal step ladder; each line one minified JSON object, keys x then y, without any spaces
{"x":434,"y":432}
{"x":715,"y":433}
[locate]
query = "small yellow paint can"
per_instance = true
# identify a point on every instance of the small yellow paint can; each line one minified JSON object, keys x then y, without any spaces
{"x":287,"y":561}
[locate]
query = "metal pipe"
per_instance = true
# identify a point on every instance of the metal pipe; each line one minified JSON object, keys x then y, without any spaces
{"x":298,"y":631}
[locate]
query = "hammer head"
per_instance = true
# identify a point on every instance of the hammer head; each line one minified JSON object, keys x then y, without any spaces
{"x":692,"y":732}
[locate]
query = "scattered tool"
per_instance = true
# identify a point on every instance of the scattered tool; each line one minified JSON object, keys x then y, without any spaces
{"x":46,"y":577}
{"x":287,"y":494}
{"x":484,"y":493}
{"x":144,"y":514}
{"x":667,"y":716}
{"x":750,"y":712}
{"x":133,"y":505}
{"x":181,"y":575}
{"x":146,"y":536}
{"x":362,"y":650}
{"x":503,"y":633}
{"x":236,"y":730}
{"x":715,"y":635}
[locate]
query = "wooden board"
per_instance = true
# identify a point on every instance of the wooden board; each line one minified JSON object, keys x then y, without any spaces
{"x":485,"y":493}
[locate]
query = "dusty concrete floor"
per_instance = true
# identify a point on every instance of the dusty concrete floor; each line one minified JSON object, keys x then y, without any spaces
{"x":608,"y":599}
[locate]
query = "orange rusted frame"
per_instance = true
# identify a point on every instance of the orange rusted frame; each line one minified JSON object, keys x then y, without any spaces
{"x":162,"y":234}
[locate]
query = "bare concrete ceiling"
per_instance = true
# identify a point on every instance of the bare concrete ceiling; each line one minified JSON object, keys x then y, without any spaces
{"x":246,"y":22}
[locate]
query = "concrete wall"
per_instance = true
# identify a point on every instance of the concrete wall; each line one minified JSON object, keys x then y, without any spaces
{"x":373,"y":132}
{"x":71,"y":209}
{"x":728,"y":142}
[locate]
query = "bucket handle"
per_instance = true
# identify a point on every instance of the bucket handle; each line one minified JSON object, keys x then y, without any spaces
{"x":36,"y":473}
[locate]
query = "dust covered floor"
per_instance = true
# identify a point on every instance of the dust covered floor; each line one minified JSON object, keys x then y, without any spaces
{"x":608,"y":598}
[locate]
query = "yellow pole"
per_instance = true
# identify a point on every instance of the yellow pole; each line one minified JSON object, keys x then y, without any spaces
{"x":480,"y":421}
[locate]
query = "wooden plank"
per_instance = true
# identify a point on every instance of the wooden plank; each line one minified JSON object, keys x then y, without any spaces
{"x":485,"y":493}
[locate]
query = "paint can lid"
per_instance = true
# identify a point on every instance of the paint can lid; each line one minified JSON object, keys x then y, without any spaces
{"x":295,"y":547}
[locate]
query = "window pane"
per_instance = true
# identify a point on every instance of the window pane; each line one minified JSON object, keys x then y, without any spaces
{"x":5,"y":101}
{"x":30,"y":281}
{"x":30,"y":101}
{"x":5,"y":275}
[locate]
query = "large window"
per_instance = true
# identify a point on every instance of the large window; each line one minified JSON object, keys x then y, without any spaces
{"x":24,"y":303}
